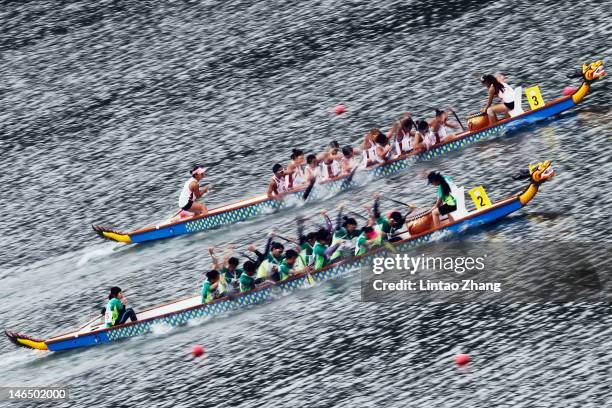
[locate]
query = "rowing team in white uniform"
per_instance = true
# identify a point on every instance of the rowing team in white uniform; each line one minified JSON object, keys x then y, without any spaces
{"x":377,"y":148}
{"x":404,"y":137}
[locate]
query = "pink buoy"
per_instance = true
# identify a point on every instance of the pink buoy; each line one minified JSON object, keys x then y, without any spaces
{"x":568,"y":90}
{"x":197,"y":350}
{"x":339,"y":109}
{"x":462,"y":359}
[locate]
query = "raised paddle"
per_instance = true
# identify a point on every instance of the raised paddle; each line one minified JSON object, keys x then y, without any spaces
{"x":399,"y":202}
{"x":358,"y":215}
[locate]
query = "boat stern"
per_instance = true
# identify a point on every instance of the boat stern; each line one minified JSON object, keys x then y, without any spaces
{"x":22,"y":340}
{"x":109,"y":233}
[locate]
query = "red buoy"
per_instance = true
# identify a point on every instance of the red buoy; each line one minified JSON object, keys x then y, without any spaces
{"x":339,"y":109}
{"x":197,"y":350}
{"x":462,"y":359}
{"x":568,"y":90}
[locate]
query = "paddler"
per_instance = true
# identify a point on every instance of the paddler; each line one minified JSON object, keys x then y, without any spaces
{"x":347,"y":232}
{"x":306,"y":243}
{"x":249,"y":277}
{"x":294,"y":175}
{"x":348,"y":161}
{"x":321,"y":250}
{"x":439,"y":125}
{"x":270,"y":259}
{"x":368,"y":238}
{"x":116,"y":311}
{"x":383,"y":148}
{"x":278,"y":185}
{"x":424,"y":137}
{"x":388,"y":224}
{"x":230,"y":273}
{"x":404,"y":135}
{"x":497,"y":89}
{"x":446,"y":203}
{"x":312,"y":170}
{"x":330,"y":165}
{"x":213,"y":287}
{"x":368,"y":147}
{"x":192,"y":191}
{"x":288,"y":266}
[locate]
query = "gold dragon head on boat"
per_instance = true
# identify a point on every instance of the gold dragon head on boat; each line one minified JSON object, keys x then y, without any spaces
{"x":541,"y":172}
{"x":593,"y":71}
{"x":589,"y":74}
{"x":537,"y":174}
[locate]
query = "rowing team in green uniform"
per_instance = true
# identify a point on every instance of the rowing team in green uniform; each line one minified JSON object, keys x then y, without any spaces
{"x":316,"y":249}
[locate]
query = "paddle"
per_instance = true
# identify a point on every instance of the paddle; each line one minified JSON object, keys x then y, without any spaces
{"x":359,"y":215}
{"x":285,"y":239}
{"x":309,"y":189}
{"x":457,"y":117}
{"x":413,"y":206}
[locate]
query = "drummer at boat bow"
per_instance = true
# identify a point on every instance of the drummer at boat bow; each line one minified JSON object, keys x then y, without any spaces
{"x":116,"y":310}
{"x":446,"y":203}
{"x":192,"y":191}
{"x":497,"y":87}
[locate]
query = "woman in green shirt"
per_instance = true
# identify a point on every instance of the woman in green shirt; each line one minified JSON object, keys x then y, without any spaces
{"x":446,"y":203}
{"x":116,"y":313}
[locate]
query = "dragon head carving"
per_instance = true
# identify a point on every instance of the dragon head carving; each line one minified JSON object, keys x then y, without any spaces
{"x":538,"y":173}
{"x":590,"y":72}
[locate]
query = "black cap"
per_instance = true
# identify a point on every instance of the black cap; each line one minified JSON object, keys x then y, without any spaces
{"x":432,"y":176}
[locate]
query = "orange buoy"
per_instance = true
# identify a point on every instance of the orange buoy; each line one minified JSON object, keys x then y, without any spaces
{"x":339,"y":109}
{"x":462,"y":359}
{"x":197,"y":350}
{"x":568,"y":90}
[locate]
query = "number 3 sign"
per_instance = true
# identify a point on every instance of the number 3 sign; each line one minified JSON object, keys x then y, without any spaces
{"x":534,"y":97}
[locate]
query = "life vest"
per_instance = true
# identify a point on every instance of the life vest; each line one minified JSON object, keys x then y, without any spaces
{"x":312,"y":173}
{"x":111,"y":315}
{"x":376,"y":157}
{"x":330,"y":170}
{"x":295,"y":178}
{"x":429,"y":139}
{"x":281,"y":185}
{"x":348,"y":244}
{"x":448,"y":199}
{"x":369,"y":154}
{"x":404,"y":146}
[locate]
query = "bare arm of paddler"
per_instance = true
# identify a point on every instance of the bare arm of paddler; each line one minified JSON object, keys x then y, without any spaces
{"x":213,"y":258}
{"x":489,"y":99}
{"x":328,"y":223}
{"x":262,"y":256}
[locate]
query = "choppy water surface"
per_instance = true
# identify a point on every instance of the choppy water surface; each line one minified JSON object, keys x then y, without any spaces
{"x":105,"y":107}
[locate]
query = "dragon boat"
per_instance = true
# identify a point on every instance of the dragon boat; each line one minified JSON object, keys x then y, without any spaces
{"x":479,"y":129}
{"x":419,"y":228}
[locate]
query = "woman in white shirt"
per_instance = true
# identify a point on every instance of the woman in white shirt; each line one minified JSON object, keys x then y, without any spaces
{"x":503,"y":92}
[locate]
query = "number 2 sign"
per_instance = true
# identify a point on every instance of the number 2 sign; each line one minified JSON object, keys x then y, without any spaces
{"x":480,"y":198}
{"x":534,"y":97}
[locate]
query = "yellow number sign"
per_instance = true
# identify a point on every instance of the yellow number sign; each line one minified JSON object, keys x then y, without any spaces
{"x":479,"y":196}
{"x":534,"y":97}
